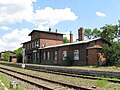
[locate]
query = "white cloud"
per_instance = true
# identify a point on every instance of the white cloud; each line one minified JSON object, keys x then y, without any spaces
{"x":50,"y":17}
{"x":12,"y":11}
{"x":100,"y":14}
{"x":4,"y":28}
{"x":14,"y":39}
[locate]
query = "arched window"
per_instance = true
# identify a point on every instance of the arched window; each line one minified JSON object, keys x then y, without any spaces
{"x":76,"y":54}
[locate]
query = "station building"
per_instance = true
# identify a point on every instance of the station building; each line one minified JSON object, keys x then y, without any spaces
{"x":47,"y":47}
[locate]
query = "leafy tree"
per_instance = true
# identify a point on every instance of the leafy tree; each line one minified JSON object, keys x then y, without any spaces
{"x":112,"y":53}
{"x":96,"y":33}
{"x":118,"y":32}
{"x":65,"y":40}
{"x":19,"y":54}
{"x":110,"y":32}
{"x":88,"y":33}
{"x":7,"y":56}
{"x":91,"y":34}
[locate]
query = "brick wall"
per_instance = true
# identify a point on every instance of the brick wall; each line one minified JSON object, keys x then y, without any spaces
{"x":49,"y":42}
{"x":86,"y":57}
{"x":51,"y":36}
{"x":93,"y":56}
{"x":70,"y":53}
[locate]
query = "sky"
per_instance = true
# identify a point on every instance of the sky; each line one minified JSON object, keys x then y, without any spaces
{"x":19,"y":17}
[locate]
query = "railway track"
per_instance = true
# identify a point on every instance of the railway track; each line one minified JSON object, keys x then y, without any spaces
{"x":78,"y":76}
{"x":47,"y":83}
{"x":35,"y":68}
{"x":83,"y":72}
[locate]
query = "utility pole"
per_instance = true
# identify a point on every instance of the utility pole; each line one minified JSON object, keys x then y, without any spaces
{"x":23,"y":60}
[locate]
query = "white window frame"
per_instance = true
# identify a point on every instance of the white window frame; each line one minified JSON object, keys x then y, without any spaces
{"x":64,"y":55}
{"x":56,"y":52}
{"x":76,"y":54}
{"x":48,"y":55}
{"x":38,"y":43}
{"x":38,"y":55}
{"x":44,"y":55}
{"x":35,"y":44}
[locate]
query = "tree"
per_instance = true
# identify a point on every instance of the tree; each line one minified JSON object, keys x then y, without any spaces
{"x":112,"y":53}
{"x":19,"y":54}
{"x":110,"y":32}
{"x":96,"y":33}
{"x":7,"y":56}
{"x":91,"y":34}
{"x":88,"y":33}
{"x":65,"y":40}
{"x":118,"y":32}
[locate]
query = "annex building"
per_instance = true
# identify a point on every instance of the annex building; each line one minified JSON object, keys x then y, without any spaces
{"x":47,"y":47}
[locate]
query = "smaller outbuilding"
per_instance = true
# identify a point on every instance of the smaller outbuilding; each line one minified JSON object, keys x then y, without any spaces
{"x":11,"y":55}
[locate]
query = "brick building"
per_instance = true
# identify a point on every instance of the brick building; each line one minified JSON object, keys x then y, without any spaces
{"x":46,"y":47}
{"x":12,"y":56}
{"x":40,"y":39}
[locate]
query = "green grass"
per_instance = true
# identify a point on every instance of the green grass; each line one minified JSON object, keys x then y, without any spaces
{"x":101,"y":83}
{"x":1,"y":87}
{"x":6,"y":81}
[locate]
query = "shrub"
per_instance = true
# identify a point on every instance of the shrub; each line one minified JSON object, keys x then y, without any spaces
{"x":112,"y":53}
{"x":68,"y":61}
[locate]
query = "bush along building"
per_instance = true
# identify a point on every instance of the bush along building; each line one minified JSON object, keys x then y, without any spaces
{"x":47,"y":47}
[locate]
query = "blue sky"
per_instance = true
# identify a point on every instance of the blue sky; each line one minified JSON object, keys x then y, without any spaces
{"x":19,"y":17}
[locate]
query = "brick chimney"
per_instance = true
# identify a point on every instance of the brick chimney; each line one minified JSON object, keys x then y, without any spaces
{"x":56,"y":30}
{"x":81,"y":34}
{"x":49,"y":29}
{"x":71,"y":37}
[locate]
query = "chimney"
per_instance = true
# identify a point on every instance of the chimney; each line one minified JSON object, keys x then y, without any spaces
{"x":56,"y":30}
{"x":71,"y":37}
{"x":81,"y":34}
{"x":49,"y":29}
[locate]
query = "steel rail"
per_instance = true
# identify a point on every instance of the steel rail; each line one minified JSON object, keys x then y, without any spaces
{"x":52,"y":81}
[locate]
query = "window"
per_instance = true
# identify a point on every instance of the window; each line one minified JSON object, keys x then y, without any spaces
{"x":55,"y":55}
{"x":35,"y":44}
{"x":48,"y":55}
{"x":29,"y":45}
{"x":38,"y":56}
{"x":76,"y":54}
{"x":38,"y":43}
{"x":64,"y":55}
{"x":44,"y":55}
{"x":35,"y":56}
{"x":32,"y":44}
